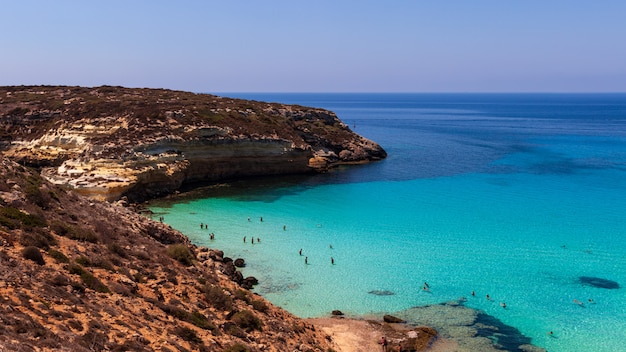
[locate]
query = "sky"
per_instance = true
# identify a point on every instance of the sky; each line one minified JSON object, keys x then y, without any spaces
{"x":209,"y":46}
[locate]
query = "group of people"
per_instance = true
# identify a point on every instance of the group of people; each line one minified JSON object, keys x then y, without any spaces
{"x":206,"y":227}
{"x":306,"y":259}
{"x":258,"y":239}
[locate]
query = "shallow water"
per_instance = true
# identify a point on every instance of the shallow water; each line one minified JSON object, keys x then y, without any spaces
{"x":514,"y":196}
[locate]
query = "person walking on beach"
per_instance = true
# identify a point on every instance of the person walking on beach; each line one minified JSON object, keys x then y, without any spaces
{"x":383,"y":343}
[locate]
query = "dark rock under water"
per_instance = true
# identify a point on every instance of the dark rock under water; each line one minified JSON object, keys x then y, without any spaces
{"x":472,"y":329}
{"x":381,"y":293}
{"x":598,"y":282}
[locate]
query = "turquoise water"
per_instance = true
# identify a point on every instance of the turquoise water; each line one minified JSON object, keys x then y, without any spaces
{"x":511,"y":196}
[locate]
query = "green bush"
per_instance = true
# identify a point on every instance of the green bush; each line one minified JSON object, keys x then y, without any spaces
{"x":237,"y":348}
{"x":259,"y":305}
{"x":13,"y":218}
{"x":247,"y":320}
{"x":117,"y":249}
{"x":93,"y":282}
{"x":33,"y":253}
{"x":181,"y":253}
{"x":215,"y":296}
{"x":88,"y":279}
{"x":38,"y":238}
{"x":187,"y":334}
{"x":241,"y":295}
{"x":75,"y":269}
{"x":198,"y":319}
{"x":73,"y":233}
{"x":58,"y":256}
{"x":84,"y":261}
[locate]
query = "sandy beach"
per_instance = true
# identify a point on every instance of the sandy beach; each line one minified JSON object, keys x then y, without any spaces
{"x":363,"y":335}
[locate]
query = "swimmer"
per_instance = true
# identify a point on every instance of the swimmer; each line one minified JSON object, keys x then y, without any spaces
{"x":284,"y":227}
{"x":252,"y":240}
{"x":330,"y":246}
{"x":306,"y":260}
{"x":201,"y":225}
{"x":244,"y":239}
{"x":502,"y":304}
{"x":579,"y":303}
{"x":550,"y":333}
{"x":473,"y":294}
{"x":258,"y":240}
{"x":300,"y":252}
{"x":261,"y":219}
{"x":426,"y":284}
{"x":332,"y":260}
{"x":248,"y":219}
{"x":487,"y":297}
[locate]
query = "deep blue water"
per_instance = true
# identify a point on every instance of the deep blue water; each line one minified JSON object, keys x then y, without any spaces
{"x":512,"y":195}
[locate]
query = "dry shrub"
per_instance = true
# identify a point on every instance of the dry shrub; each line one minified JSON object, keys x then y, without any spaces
{"x":187,"y":334}
{"x":181,"y":253}
{"x":237,"y":348}
{"x":58,"y":256}
{"x":259,"y":306}
{"x":215,"y":296}
{"x":33,"y":253}
{"x":247,"y":320}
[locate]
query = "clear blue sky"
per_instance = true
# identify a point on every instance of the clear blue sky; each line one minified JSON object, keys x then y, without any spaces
{"x":317,"y":46}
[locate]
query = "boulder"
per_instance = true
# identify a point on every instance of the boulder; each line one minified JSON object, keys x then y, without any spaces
{"x":391,"y":319}
{"x":249,"y":282}
{"x":240,"y":263}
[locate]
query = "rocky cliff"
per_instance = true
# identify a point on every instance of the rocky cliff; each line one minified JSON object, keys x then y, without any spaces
{"x":79,"y":274}
{"x":109,"y":142}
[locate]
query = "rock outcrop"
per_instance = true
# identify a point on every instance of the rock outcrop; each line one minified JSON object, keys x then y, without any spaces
{"x":109,"y":142}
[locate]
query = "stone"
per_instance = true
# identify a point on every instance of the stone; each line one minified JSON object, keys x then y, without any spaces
{"x":391,"y":319}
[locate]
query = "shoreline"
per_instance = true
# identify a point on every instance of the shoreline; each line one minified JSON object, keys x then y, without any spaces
{"x":350,"y":334}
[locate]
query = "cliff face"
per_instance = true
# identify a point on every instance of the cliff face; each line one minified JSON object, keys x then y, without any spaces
{"x":84,"y":275}
{"x":109,"y":142}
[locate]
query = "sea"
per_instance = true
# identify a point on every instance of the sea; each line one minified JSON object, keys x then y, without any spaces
{"x":512,"y":206}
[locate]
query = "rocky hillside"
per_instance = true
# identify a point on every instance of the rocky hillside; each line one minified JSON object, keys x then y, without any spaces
{"x":109,"y":142}
{"x":84,"y":275}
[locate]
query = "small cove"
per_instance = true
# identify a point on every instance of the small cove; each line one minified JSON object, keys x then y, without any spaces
{"x":518,"y":206}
